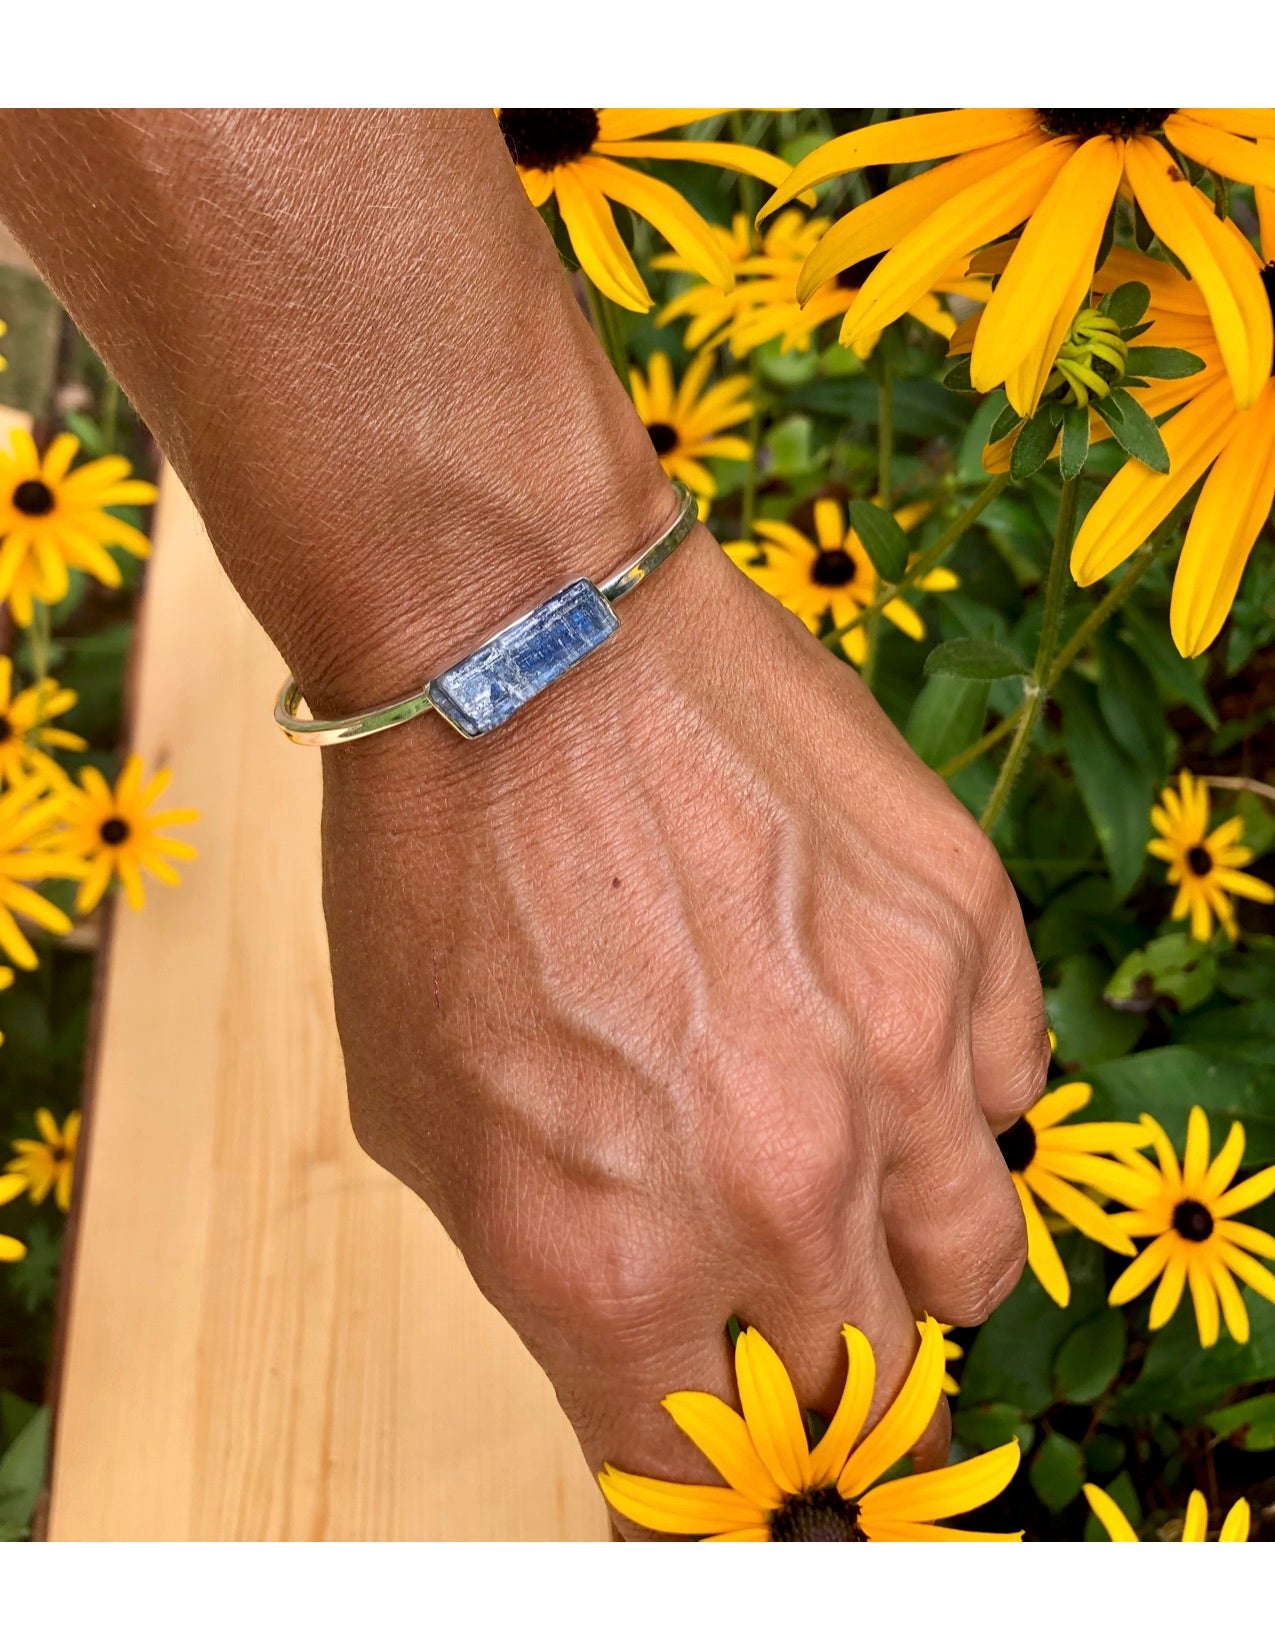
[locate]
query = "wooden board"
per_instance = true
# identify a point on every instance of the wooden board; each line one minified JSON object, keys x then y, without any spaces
{"x":267,"y":1337}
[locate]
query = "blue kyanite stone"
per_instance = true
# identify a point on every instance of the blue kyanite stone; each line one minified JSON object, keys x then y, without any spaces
{"x":484,"y":690}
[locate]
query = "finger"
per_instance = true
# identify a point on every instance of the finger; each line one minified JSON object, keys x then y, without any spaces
{"x":1010,"y":1037}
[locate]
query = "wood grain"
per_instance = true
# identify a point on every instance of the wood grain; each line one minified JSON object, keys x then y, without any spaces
{"x":268,"y":1337}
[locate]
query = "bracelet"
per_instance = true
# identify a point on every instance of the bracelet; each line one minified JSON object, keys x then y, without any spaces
{"x":520,"y":660}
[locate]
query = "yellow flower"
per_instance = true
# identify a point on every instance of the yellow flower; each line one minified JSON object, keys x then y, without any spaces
{"x":685,"y":421}
{"x":779,"y":1489}
{"x":1203,"y":866}
{"x":831,"y":577}
{"x":113,"y":833}
{"x":713,"y":307}
{"x":1049,"y":1163}
{"x":11,"y":1186}
{"x":1235,"y":501}
{"x":53,"y":518}
{"x":1187,"y":1211}
{"x":25,"y":731}
{"x":48,"y":1164}
{"x":1057,"y":172}
{"x":1195,"y":1526}
{"x":26,"y":816}
{"x":576,"y":155}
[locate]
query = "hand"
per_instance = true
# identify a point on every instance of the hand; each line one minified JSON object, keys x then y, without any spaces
{"x":690,"y":992}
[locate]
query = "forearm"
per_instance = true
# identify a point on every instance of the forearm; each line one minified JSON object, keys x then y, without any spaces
{"x":351,"y":336}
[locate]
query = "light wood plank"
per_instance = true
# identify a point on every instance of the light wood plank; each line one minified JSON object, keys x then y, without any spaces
{"x":268,"y":1337}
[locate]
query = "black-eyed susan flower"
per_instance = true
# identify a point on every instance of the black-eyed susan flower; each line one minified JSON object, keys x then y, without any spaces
{"x":27,"y":734}
{"x":48,"y":1164}
{"x":1237,"y":449}
{"x":1195,"y":1523}
{"x":1204,"y":865}
{"x":777,"y":1488}
{"x":1048,"y":1163}
{"x":1187,"y":1210}
{"x":53,"y":518}
{"x":579,"y":157}
{"x":1057,"y":173}
{"x":114,"y":833}
{"x":11,"y":1186}
{"x":708,"y":308}
{"x":686,"y":422}
{"x":830,"y":578}
{"x":27,"y":816}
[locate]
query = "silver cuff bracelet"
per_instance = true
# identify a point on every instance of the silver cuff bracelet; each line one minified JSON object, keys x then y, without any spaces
{"x":520,"y":660}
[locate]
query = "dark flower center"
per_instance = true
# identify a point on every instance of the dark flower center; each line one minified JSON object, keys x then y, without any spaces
{"x":33,"y":498}
{"x":113,"y":831}
{"x":546,"y":138}
{"x":6,"y":729}
{"x":1200,"y":860}
{"x":1087,"y":123}
{"x":818,"y":1515}
{"x":58,"y":1154}
{"x":834,"y":568}
{"x":857,"y":274}
{"x":663,"y":437}
{"x":1018,"y":1145}
{"x":1192,"y":1221}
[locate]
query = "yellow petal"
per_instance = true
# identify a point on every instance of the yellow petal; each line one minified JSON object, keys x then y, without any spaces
{"x":1077,"y":1209}
{"x":1109,"y":1514}
{"x":1219,"y":151}
{"x":1195,"y":1160}
{"x":1235,"y":1527}
{"x":1232,"y":509}
{"x":888,"y":1530}
{"x":1139,"y":1273}
{"x":1256,"y":1189}
{"x":1195,"y":1525}
{"x":903,"y":1422}
{"x":602,"y":253}
{"x":1203,"y":1298}
{"x":677,"y":1509}
{"x":731,"y":157}
{"x":898,"y":142}
{"x":722,"y":1437}
{"x":1042,"y":1252}
{"x":980,"y":213}
{"x":1059,"y":243}
{"x":1168,"y":1295}
{"x":945,"y":1493}
{"x":1216,"y":256}
{"x":1064,"y":1101}
{"x":829,"y":1455}
{"x":1137,"y":500}
{"x":616,"y":125}
{"x":1248,"y":1270}
{"x":1234,"y":1312}
{"x":666,"y":211}
{"x":772,"y":1412}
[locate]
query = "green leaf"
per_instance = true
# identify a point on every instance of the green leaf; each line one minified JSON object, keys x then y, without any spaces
{"x":22,"y":1471}
{"x":1091,"y":1357}
{"x":1116,"y":794}
{"x":1127,"y":304}
{"x":975,"y":659}
{"x":1173,"y":972}
{"x":1057,"y":1472}
{"x":988,"y":1426}
{"x":883,"y":539}
{"x":788,"y":444}
{"x":1075,"y":442}
{"x":1186,"y":1381}
{"x":1035,"y":442}
{"x":957,"y":376}
{"x":1249,"y":974}
{"x":1130,"y":706}
{"x":1007,"y":421}
{"x":1168,"y":1081}
{"x":1146,"y":361}
{"x":1246,"y":1032}
{"x":1088,"y":1031}
{"x":1179,"y":678}
{"x":1246,"y":1425}
{"x":946,"y":717}
{"x":1135,"y":430}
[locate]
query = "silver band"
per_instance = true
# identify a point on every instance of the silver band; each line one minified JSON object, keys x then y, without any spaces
{"x":481,"y":691}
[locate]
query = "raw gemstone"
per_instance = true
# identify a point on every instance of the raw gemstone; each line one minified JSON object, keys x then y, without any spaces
{"x":520,"y":661}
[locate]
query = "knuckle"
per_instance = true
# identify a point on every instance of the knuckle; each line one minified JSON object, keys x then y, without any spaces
{"x":994,"y":1251}
{"x":786,"y":1173}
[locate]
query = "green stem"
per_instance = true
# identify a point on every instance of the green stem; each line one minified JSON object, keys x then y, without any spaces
{"x":609,"y":326}
{"x":40,"y":634}
{"x":1072,"y":648}
{"x":927,"y":560}
{"x":1035,"y":688}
